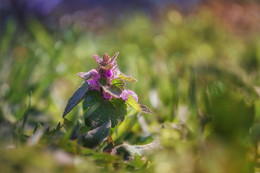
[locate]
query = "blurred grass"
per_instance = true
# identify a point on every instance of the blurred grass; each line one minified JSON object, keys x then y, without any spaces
{"x":200,"y":79}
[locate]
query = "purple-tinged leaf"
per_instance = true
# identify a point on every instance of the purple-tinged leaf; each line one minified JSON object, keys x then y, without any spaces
{"x":94,"y":137}
{"x":76,"y":98}
{"x":85,"y":75}
{"x":97,"y":58}
{"x":114,"y":57}
{"x":106,"y":58}
{"x":116,"y":88}
{"x":102,"y":82}
{"x":108,"y":66}
{"x":107,"y":96}
{"x":124,"y":77}
{"x":91,"y":74}
{"x":126,"y":93}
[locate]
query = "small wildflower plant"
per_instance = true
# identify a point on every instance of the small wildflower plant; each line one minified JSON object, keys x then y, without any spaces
{"x":105,"y":99}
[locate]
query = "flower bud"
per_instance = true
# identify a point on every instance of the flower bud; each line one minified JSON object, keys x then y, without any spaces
{"x":106,"y":58}
{"x":109,"y":73}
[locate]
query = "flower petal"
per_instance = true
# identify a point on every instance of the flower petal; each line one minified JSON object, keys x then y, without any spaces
{"x":93,"y":85}
{"x":106,"y":95}
{"x":109,"y":73}
{"x":106,"y":59}
{"x":130,"y":92}
{"x":125,"y":94}
{"x":97,"y":58}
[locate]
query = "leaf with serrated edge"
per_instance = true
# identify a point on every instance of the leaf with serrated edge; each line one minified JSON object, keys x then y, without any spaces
{"x":76,"y":98}
{"x":97,"y":110}
{"x":139,"y":107}
{"x":91,"y":98}
{"x":96,"y":136}
{"x":102,"y":81}
{"x":126,"y":78}
{"x":116,"y":88}
{"x":133,"y":103}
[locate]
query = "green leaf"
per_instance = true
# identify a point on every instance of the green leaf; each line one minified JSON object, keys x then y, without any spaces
{"x":119,"y":83}
{"x":91,"y":98}
{"x":68,"y":124}
{"x":125,"y":127}
{"x":102,"y":81}
{"x":84,"y":129}
{"x":108,"y":66}
{"x":75,"y":132}
{"x":76,"y":98}
{"x":96,"y":136}
{"x":116,"y":88}
{"x":133,"y":103}
{"x":140,"y":108}
{"x":117,"y":110}
{"x":138,"y":162}
{"x":38,"y":126}
{"x":97,"y":110}
{"x":25,"y":116}
{"x":124,"y":77}
{"x":145,"y":109}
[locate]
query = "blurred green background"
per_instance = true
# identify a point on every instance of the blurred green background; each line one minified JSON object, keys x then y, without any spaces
{"x":197,"y":65}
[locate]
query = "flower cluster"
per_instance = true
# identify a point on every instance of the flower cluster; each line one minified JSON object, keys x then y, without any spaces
{"x":107,"y":79}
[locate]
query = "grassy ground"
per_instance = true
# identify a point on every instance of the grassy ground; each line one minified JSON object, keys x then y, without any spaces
{"x":199,"y":77}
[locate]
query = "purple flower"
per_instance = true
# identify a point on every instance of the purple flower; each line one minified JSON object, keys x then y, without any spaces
{"x":107,"y":70}
{"x":93,"y":85}
{"x":125,"y":94}
{"x":106,"y":95}
{"x":109,"y":73}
